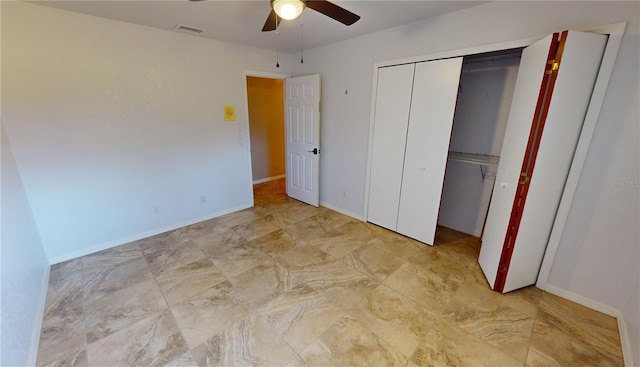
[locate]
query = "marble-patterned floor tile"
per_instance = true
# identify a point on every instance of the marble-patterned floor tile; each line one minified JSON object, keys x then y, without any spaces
{"x":276,"y":242}
{"x":264,"y":283}
{"x":394,"y":318}
{"x":73,"y":358}
{"x":423,"y":286}
{"x":236,"y":218}
{"x":62,"y":338}
{"x":168,"y":238}
{"x":189,"y":280}
{"x":397,"y":244}
{"x":65,"y":270}
{"x":236,"y":260}
{"x":349,"y":343}
{"x":466,"y":250}
{"x":263,"y":205}
{"x":300,"y":315}
{"x":207,"y":314}
{"x":121,"y":309}
{"x":220,"y":242}
{"x":111,"y":256}
{"x":152,"y":341}
{"x":169,"y":257}
{"x":441,"y":264}
{"x":204,"y":228}
{"x":254,"y":228}
{"x":308,"y":229}
{"x":283,"y":217}
{"x":592,"y":327}
{"x":447,"y":345}
{"x":62,"y":296}
{"x":446,"y":235}
{"x":304,"y":256}
{"x":361,"y":230}
{"x":340,"y":283}
{"x":550,"y":346}
{"x":249,"y":341}
{"x":184,"y":360}
{"x":490,"y":319}
{"x":338,"y":246}
{"x":476,"y":290}
{"x":373,"y":261}
{"x":104,"y":279}
{"x":297,"y":362}
{"x":330,"y":217}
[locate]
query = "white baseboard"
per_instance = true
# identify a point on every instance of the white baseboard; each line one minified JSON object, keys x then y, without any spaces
{"x":139,"y":236}
{"x":342,"y":211}
{"x":627,"y":351}
{"x":582,"y":300}
{"x":263,"y":180}
{"x":37,"y":326}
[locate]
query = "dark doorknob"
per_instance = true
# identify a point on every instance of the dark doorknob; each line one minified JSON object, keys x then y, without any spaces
{"x":314,"y":151}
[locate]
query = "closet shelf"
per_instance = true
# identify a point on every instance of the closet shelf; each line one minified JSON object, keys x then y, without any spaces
{"x":473,"y":158}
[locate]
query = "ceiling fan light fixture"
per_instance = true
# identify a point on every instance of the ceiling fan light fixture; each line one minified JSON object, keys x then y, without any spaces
{"x":288,"y":9}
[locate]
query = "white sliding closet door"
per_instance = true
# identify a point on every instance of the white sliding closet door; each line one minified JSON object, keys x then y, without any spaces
{"x":522,"y":211}
{"x":435,"y":91}
{"x":393,"y":101}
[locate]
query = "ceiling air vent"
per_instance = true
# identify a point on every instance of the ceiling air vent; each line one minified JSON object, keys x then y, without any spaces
{"x":186,"y":28}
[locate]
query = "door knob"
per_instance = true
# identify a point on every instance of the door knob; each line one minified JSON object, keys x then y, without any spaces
{"x":314,"y":151}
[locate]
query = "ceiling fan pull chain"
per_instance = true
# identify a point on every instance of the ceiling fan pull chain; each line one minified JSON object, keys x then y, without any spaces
{"x":301,"y":41}
{"x":277,"y":45}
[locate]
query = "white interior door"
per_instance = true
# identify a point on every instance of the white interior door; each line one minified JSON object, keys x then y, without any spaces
{"x":435,"y":91}
{"x":576,"y":75}
{"x":393,"y":101}
{"x":302,"y":148}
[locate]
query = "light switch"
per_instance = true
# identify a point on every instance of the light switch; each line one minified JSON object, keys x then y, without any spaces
{"x":229,"y":113}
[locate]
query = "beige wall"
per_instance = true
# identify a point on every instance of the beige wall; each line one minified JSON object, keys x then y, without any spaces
{"x":266,"y":126}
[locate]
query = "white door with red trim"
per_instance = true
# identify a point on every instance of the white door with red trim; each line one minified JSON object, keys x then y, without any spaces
{"x":555,"y":81}
{"x":302,"y":134}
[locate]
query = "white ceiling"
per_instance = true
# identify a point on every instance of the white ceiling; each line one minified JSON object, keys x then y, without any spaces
{"x":241,"y":21}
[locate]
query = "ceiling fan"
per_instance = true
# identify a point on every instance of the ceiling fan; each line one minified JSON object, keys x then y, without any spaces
{"x":291,"y":9}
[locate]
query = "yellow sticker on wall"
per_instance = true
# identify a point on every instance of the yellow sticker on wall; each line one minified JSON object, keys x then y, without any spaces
{"x":229,"y":113}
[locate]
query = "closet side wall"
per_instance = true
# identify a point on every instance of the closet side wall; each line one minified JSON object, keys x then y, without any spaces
{"x":484,"y":99}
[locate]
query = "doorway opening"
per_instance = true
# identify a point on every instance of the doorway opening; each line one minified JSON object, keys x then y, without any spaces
{"x":265,"y":105}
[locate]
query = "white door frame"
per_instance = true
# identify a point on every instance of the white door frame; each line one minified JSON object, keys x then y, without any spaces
{"x":615,"y":32}
{"x":245,"y":126}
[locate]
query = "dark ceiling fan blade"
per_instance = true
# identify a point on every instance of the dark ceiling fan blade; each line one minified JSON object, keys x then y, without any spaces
{"x":272,"y":22}
{"x":334,"y":11}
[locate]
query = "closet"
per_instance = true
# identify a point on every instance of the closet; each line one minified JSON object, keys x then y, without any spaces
{"x":412,"y":141}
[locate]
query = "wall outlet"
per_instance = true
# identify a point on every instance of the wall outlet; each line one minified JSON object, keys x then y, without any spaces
{"x":156,"y":210}
{"x":203,"y":199}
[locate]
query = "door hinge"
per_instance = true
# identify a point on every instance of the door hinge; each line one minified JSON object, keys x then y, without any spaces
{"x":554,"y":66}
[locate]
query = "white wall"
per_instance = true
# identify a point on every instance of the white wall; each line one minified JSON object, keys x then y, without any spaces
{"x":598,"y":256}
{"x":631,"y":316}
{"x":109,"y":120}
{"x":24,"y":269}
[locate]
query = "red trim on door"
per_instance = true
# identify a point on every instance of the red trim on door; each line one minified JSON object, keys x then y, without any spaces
{"x":531,"y":153}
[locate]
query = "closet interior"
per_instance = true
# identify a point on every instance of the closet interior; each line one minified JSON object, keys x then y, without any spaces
{"x":487,"y":83}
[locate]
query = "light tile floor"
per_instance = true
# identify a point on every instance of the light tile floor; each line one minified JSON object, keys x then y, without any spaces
{"x":287,"y":284}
